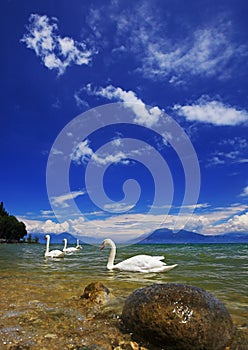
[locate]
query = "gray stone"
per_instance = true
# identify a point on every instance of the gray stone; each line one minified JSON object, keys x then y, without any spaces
{"x":178,"y":317}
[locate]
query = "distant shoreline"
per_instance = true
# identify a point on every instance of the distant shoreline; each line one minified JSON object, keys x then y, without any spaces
{"x":138,"y":243}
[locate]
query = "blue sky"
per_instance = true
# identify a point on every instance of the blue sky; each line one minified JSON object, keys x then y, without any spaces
{"x":161,"y":89}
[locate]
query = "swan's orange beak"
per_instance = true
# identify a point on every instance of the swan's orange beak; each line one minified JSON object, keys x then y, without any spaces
{"x":102,"y":246}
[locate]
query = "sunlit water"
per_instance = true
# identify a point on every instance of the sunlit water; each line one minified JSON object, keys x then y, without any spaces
{"x":37,"y":290}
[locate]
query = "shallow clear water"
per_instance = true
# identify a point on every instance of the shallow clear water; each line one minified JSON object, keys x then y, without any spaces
{"x":37,"y":290}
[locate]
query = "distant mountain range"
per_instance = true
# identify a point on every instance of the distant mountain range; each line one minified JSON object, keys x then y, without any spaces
{"x":167,"y":236}
{"x":160,"y":236}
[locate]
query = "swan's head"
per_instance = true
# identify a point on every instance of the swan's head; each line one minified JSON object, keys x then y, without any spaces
{"x":47,"y":236}
{"x":107,"y":242}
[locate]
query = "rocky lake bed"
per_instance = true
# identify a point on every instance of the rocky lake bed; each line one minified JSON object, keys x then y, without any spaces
{"x":77,"y":304}
{"x":98,"y":320}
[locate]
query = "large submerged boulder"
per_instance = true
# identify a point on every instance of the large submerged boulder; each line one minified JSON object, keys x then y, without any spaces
{"x":178,"y":316}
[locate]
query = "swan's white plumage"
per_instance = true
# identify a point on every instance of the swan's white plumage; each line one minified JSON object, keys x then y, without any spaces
{"x":69,"y":249}
{"x":78,"y":246}
{"x":138,"y":263}
{"x":56,"y":253}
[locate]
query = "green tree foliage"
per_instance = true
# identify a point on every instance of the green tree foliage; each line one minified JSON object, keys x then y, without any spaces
{"x":3,"y":212}
{"x":10,"y":228}
{"x":30,"y":239}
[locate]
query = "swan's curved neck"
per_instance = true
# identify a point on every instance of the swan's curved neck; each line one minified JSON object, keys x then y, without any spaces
{"x":47,"y":244}
{"x":65,"y":245}
{"x":111,"y":258}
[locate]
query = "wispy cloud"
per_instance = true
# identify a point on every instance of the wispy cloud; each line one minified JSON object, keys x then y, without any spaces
{"x":56,"y":152}
{"x":80,"y":102}
{"x":215,"y":160}
{"x":212,"y":112}
{"x":47,"y":213}
{"x":61,"y":201}
{"x":143,"y":115}
{"x":205,"y":53}
{"x":117,"y":207}
{"x":244,"y":193}
{"x":56,"y":52}
{"x":223,"y":158}
{"x":235,"y":142}
{"x":205,"y":50}
{"x":244,"y":160}
{"x":228,"y":152}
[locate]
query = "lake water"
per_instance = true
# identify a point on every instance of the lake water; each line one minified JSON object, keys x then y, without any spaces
{"x":37,"y":296}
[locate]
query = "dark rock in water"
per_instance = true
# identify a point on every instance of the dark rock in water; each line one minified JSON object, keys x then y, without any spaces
{"x":96,"y":295}
{"x":178,"y":316}
{"x":96,"y":292}
{"x":239,"y":341}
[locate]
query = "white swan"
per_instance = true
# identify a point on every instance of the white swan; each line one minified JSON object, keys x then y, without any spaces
{"x":56,"y":253}
{"x":78,"y":246}
{"x":69,"y":249}
{"x":138,"y":263}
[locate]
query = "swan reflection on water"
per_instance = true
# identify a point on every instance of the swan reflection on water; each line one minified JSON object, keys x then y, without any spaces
{"x":135,"y":277}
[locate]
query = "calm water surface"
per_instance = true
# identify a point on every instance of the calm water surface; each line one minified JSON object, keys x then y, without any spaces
{"x":36,"y":290}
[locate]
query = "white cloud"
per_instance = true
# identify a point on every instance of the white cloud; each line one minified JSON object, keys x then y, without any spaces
{"x":144,"y":116}
{"x":117,"y":142}
{"x":83,"y":152}
{"x":197,"y":206}
{"x":47,"y":213}
{"x":117,"y":207}
{"x":128,"y":226}
{"x":232,"y":219}
{"x":244,"y":160}
{"x":56,"y":152}
{"x":49,"y":226}
{"x":239,"y":223}
{"x":244,"y":193}
{"x":215,"y":160}
{"x":61,"y":201}
{"x":213,"y":112}
{"x":55,"y":52}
